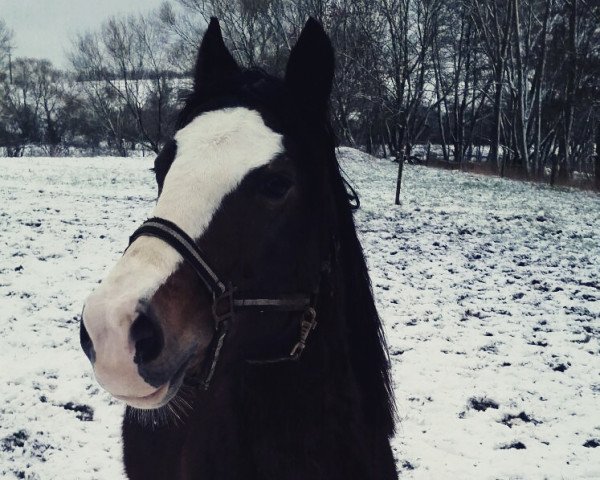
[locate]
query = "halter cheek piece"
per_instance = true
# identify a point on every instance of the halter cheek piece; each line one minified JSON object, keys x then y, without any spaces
{"x":226,"y":301}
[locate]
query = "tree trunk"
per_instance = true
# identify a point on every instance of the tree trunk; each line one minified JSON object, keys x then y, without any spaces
{"x":496,"y":124}
{"x":521,"y":127}
{"x":569,"y":110}
{"x":539,"y":81}
{"x":399,"y":178}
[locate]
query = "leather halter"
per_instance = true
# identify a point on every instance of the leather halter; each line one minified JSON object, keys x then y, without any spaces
{"x":226,"y":300}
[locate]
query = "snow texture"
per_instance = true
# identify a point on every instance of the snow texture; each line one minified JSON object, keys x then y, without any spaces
{"x":489,"y":290}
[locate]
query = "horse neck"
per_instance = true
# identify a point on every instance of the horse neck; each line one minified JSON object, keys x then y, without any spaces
{"x":313,"y":403}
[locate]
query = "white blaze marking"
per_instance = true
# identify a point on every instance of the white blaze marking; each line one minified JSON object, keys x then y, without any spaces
{"x":214,"y":153}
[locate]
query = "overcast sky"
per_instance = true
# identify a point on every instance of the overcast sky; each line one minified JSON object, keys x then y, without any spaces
{"x":43,"y":28}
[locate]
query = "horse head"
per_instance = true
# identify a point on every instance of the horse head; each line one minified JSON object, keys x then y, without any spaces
{"x":246,"y":179}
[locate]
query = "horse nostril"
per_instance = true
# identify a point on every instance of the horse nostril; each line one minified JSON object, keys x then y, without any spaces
{"x":148,"y":339}
{"x":86,"y":342}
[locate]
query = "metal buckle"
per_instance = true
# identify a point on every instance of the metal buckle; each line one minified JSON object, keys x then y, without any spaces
{"x":309,"y":323}
{"x":224,"y":300}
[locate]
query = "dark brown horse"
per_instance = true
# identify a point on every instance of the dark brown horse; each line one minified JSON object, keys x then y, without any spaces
{"x":275,"y":367}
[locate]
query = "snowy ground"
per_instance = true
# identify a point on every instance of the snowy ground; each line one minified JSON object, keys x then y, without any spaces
{"x":489,"y":289}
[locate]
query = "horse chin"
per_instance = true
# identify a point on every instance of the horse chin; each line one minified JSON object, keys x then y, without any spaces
{"x":161,"y":396}
{"x":157,"y":399}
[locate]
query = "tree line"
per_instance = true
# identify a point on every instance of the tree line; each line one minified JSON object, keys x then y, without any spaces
{"x":513,"y":85}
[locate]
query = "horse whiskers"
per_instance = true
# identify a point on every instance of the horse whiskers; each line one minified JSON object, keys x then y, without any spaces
{"x":173,"y":413}
{"x":147,"y":418}
{"x":185,"y":391}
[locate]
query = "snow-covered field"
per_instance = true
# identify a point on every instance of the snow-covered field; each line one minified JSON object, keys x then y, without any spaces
{"x":489,"y":289}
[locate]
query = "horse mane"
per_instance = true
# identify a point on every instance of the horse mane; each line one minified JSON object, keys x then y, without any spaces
{"x":367,"y":345}
{"x":254,"y":88}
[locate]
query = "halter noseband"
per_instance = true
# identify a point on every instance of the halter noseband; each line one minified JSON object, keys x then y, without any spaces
{"x":226,"y":301}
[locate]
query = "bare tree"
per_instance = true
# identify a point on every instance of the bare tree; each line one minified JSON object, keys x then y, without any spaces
{"x":129,"y":56}
{"x":411,"y":28}
{"x":6,"y":47}
{"x":519,"y":76}
{"x":493,"y":20}
{"x":20,"y":105}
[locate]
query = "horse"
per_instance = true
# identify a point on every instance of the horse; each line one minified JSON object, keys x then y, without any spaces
{"x":239,"y":327}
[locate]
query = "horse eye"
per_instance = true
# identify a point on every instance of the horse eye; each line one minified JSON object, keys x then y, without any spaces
{"x":274,"y":186}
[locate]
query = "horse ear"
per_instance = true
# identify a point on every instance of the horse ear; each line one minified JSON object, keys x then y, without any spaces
{"x":309,"y":72}
{"x":214,"y":63}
